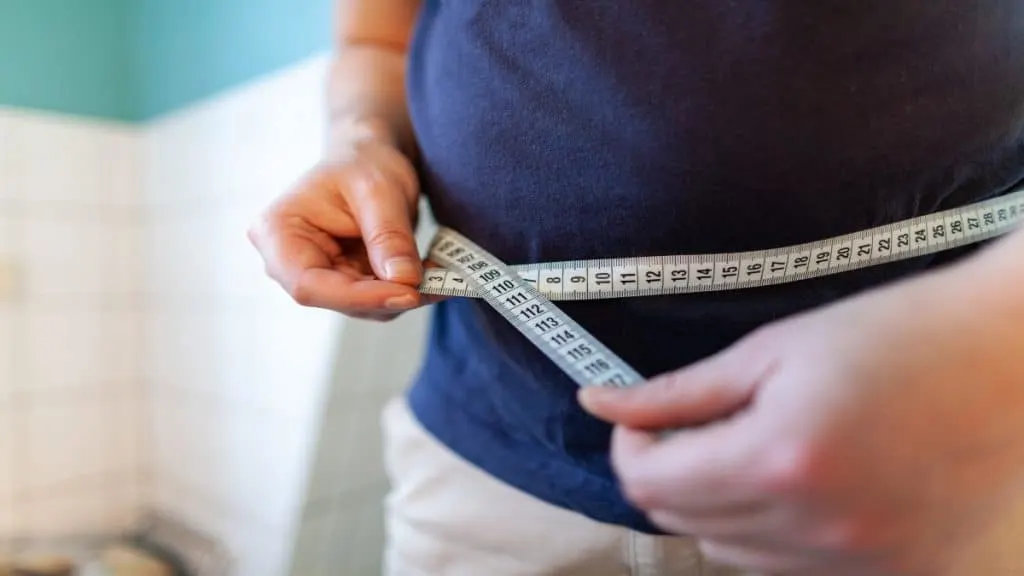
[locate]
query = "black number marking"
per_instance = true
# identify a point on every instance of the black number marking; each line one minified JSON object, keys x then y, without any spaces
{"x":730,"y":271}
{"x":864,"y":250}
{"x":777,"y":266}
{"x":578,"y":280}
{"x":653,"y":276}
{"x":801,"y":261}
{"x":532,"y":311}
{"x":435,"y":279}
{"x":679,"y":275}
{"x":1002,"y":215}
{"x":597,"y":367}
{"x":843,"y":253}
{"x":553,"y":280}
{"x":547,"y":324}
{"x":990,"y":219}
{"x":489,"y":276}
{"x":563,"y":337}
{"x":920,"y":236}
{"x":884,"y":245}
{"x":754,"y":269}
{"x":957,"y":227}
{"x":478,"y":266}
{"x":823,"y":257}
{"x":903,"y":240}
{"x":939,"y":231}
{"x":580,"y":351}
{"x":704,"y":274}
{"x":628,"y":278}
{"x":516,"y":299}
{"x":617,"y":380}
{"x":602,"y":278}
{"x":505,"y":286}
{"x":973,"y":224}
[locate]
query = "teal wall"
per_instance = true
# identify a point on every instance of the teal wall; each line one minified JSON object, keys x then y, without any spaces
{"x":138,"y":59}
{"x":70,"y":56}
{"x":193,"y":48}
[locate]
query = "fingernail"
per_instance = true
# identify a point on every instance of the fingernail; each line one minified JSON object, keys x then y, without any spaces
{"x":402,"y":268}
{"x":400,"y":303}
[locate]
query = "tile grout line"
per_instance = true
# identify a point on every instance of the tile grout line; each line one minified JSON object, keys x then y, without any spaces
{"x":18,"y":426}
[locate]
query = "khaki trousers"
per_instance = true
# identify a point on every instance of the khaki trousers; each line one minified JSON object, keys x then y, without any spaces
{"x":445,"y":517}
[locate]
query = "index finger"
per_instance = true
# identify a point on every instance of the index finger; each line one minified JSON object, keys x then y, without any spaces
{"x":306,"y":272}
{"x":335,"y":290}
{"x":692,"y":471}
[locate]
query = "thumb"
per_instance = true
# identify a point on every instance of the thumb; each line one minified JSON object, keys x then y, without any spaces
{"x":385,"y":223}
{"x":709,"y":390}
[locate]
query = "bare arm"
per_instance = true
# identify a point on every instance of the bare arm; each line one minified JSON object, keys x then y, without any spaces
{"x":366,"y":89}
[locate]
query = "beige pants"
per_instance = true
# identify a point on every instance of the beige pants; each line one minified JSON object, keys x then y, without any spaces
{"x":446,"y":518}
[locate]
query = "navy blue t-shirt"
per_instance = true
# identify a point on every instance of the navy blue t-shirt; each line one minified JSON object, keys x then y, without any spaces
{"x":571,"y":129}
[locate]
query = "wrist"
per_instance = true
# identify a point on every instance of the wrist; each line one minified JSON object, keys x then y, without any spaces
{"x":345,"y":133}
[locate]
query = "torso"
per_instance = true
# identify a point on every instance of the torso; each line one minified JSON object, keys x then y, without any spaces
{"x":555,"y":130}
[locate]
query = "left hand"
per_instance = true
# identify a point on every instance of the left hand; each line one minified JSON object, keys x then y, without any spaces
{"x":880,"y":435}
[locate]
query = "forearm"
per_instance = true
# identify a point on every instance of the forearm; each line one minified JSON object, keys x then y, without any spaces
{"x":366,"y":88}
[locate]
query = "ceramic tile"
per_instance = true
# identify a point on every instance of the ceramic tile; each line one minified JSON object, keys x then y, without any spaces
{"x":64,"y":443}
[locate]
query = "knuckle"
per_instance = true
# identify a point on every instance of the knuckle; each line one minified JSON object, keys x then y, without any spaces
{"x":302,"y":294}
{"x":387,"y":235}
{"x":794,"y":468}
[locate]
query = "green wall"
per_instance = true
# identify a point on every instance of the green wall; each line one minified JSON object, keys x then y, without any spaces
{"x":135,"y":60}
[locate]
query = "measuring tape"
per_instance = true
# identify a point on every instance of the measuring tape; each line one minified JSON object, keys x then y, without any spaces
{"x":524,"y":294}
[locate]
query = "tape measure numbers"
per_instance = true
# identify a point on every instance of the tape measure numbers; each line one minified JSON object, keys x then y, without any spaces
{"x":523,"y":294}
{"x":577,"y":352}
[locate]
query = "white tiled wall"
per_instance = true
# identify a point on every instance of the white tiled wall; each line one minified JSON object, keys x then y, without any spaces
{"x":149,"y":361}
{"x":241,"y":375}
{"x":342,"y":530}
{"x":70,"y":340}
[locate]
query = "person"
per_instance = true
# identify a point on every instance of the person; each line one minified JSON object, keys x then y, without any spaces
{"x":868,"y":422}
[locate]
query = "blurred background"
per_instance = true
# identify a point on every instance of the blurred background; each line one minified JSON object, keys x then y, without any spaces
{"x":146,"y":363}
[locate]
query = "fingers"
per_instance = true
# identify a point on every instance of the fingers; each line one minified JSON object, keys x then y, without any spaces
{"x":380,"y":205}
{"x":296,"y":262}
{"x":695,"y":472}
{"x":342,"y":239}
{"x":330,"y":289}
{"x":709,"y":390}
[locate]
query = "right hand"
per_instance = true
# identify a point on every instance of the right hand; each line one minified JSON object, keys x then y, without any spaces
{"x":342,"y":237}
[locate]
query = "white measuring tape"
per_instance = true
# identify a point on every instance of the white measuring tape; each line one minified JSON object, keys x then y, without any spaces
{"x":523,"y":294}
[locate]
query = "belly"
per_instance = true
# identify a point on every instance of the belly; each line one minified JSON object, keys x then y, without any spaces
{"x":558,"y":130}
